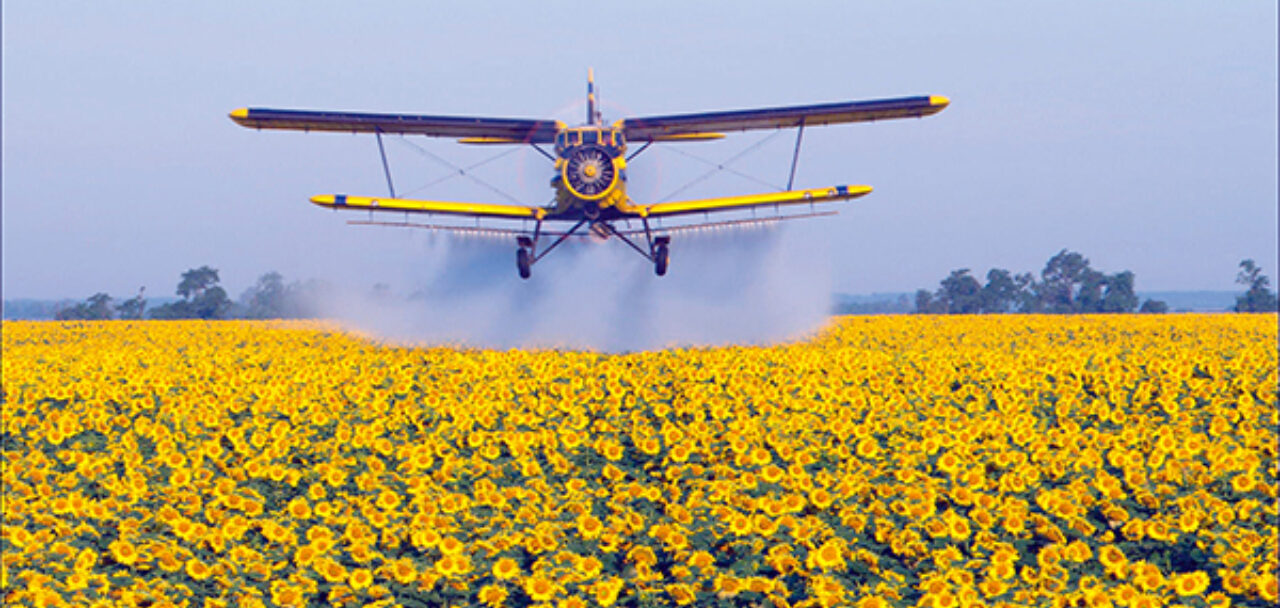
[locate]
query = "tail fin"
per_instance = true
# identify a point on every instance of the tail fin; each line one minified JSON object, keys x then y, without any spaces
{"x":593,"y":114}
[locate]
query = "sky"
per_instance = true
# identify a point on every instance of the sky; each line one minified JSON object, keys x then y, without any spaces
{"x":1140,"y":134}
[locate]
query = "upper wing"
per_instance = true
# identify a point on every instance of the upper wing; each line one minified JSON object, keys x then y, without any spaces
{"x":657,"y":127}
{"x":403,"y":205}
{"x":493,"y":130}
{"x":789,"y":197}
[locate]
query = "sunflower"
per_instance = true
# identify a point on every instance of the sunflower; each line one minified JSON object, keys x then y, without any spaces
{"x":642,"y":554}
{"x":589,"y":568}
{"x":198,"y":570}
{"x":1244,"y":483}
{"x":331,"y":570}
{"x":606,"y":592}
{"x":993,"y":587}
{"x":1189,"y":521}
{"x":764,"y":525}
{"x":450,"y":546}
{"x":589,"y":527}
{"x":388,"y":500}
{"x":829,"y":556}
{"x":124,"y":552}
{"x":539,"y":589}
{"x":821,"y":498}
{"x":86,"y":559}
{"x":772,"y":473}
{"x":727,"y":585}
{"x":682,"y":594}
{"x":1192,"y":583}
{"x":360,"y":578}
{"x":506,"y":569}
{"x":299,"y":509}
{"x":493,"y":596}
{"x":1267,"y":585}
{"x":286,"y":596}
{"x":403,"y":571}
{"x":305,"y":555}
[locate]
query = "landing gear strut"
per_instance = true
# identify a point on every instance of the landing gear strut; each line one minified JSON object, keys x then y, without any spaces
{"x":527,"y":254}
{"x":658,"y":252}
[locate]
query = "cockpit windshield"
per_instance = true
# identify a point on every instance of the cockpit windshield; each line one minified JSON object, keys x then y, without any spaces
{"x":609,"y":138}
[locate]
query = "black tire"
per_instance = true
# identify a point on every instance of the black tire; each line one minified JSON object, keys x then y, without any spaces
{"x":660,"y":258}
{"x":522,"y":263}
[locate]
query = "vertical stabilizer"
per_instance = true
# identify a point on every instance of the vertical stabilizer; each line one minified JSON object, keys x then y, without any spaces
{"x":593,"y":115}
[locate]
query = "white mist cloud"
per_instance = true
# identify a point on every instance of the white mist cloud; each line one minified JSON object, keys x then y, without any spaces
{"x":745,"y":286}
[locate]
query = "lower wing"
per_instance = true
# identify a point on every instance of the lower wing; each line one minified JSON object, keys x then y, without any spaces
{"x":730,"y":203}
{"x":404,"y":205}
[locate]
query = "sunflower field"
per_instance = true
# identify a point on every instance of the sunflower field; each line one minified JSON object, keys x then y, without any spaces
{"x":889,"y":461}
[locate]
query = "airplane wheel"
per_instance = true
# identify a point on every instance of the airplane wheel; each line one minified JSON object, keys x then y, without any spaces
{"x":660,"y":258}
{"x":522,"y":262}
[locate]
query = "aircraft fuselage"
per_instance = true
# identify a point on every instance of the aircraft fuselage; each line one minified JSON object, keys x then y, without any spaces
{"x":591,"y":171}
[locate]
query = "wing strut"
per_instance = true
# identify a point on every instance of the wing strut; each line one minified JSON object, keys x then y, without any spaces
{"x":542,"y":152}
{"x":795,"y":156}
{"x":530,"y":244}
{"x":385,"y":168}
{"x":642,"y":149}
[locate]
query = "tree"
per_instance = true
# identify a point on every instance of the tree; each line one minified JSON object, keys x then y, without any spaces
{"x":1027,"y":300}
{"x":1258,"y":298}
{"x":1067,"y":285}
{"x":1158,"y":307}
{"x":1119,"y":295}
{"x":267,"y":298}
{"x":1089,"y":294}
{"x":96,"y":308}
{"x":133,"y":307}
{"x":927,"y":305}
{"x":1059,"y":280}
{"x":174,"y":310}
{"x":1000,"y":293}
{"x":195,"y":281}
{"x":212,"y":303}
{"x":961,"y":293}
{"x":202,"y":298}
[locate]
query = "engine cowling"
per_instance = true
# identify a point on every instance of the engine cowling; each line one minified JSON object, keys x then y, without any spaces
{"x":589,"y":172}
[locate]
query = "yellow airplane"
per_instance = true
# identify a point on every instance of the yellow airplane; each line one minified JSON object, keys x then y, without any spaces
{"x":591,"y":162}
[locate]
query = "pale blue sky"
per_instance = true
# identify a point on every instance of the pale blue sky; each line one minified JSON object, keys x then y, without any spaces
{"x":1141,"y":134}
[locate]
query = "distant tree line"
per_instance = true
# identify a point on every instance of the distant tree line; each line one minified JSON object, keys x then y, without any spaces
{"x":1066,"y":285}
{"x":203,"y":298}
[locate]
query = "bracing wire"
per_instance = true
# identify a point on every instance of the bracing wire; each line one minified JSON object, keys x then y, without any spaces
{"x":463,"y":171}
{"x":726,"y":168}
{"x":722,"y":166}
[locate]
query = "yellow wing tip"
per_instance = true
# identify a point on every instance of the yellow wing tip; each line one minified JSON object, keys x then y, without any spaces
{"x":324,"y":200}
{"x":939,"y":101}
{"x":239,"y":113}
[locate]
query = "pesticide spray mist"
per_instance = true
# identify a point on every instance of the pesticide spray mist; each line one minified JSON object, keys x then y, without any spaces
{"x":751,"y":286}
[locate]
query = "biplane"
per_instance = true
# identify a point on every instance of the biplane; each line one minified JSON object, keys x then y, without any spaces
{"x":590,"y":181}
